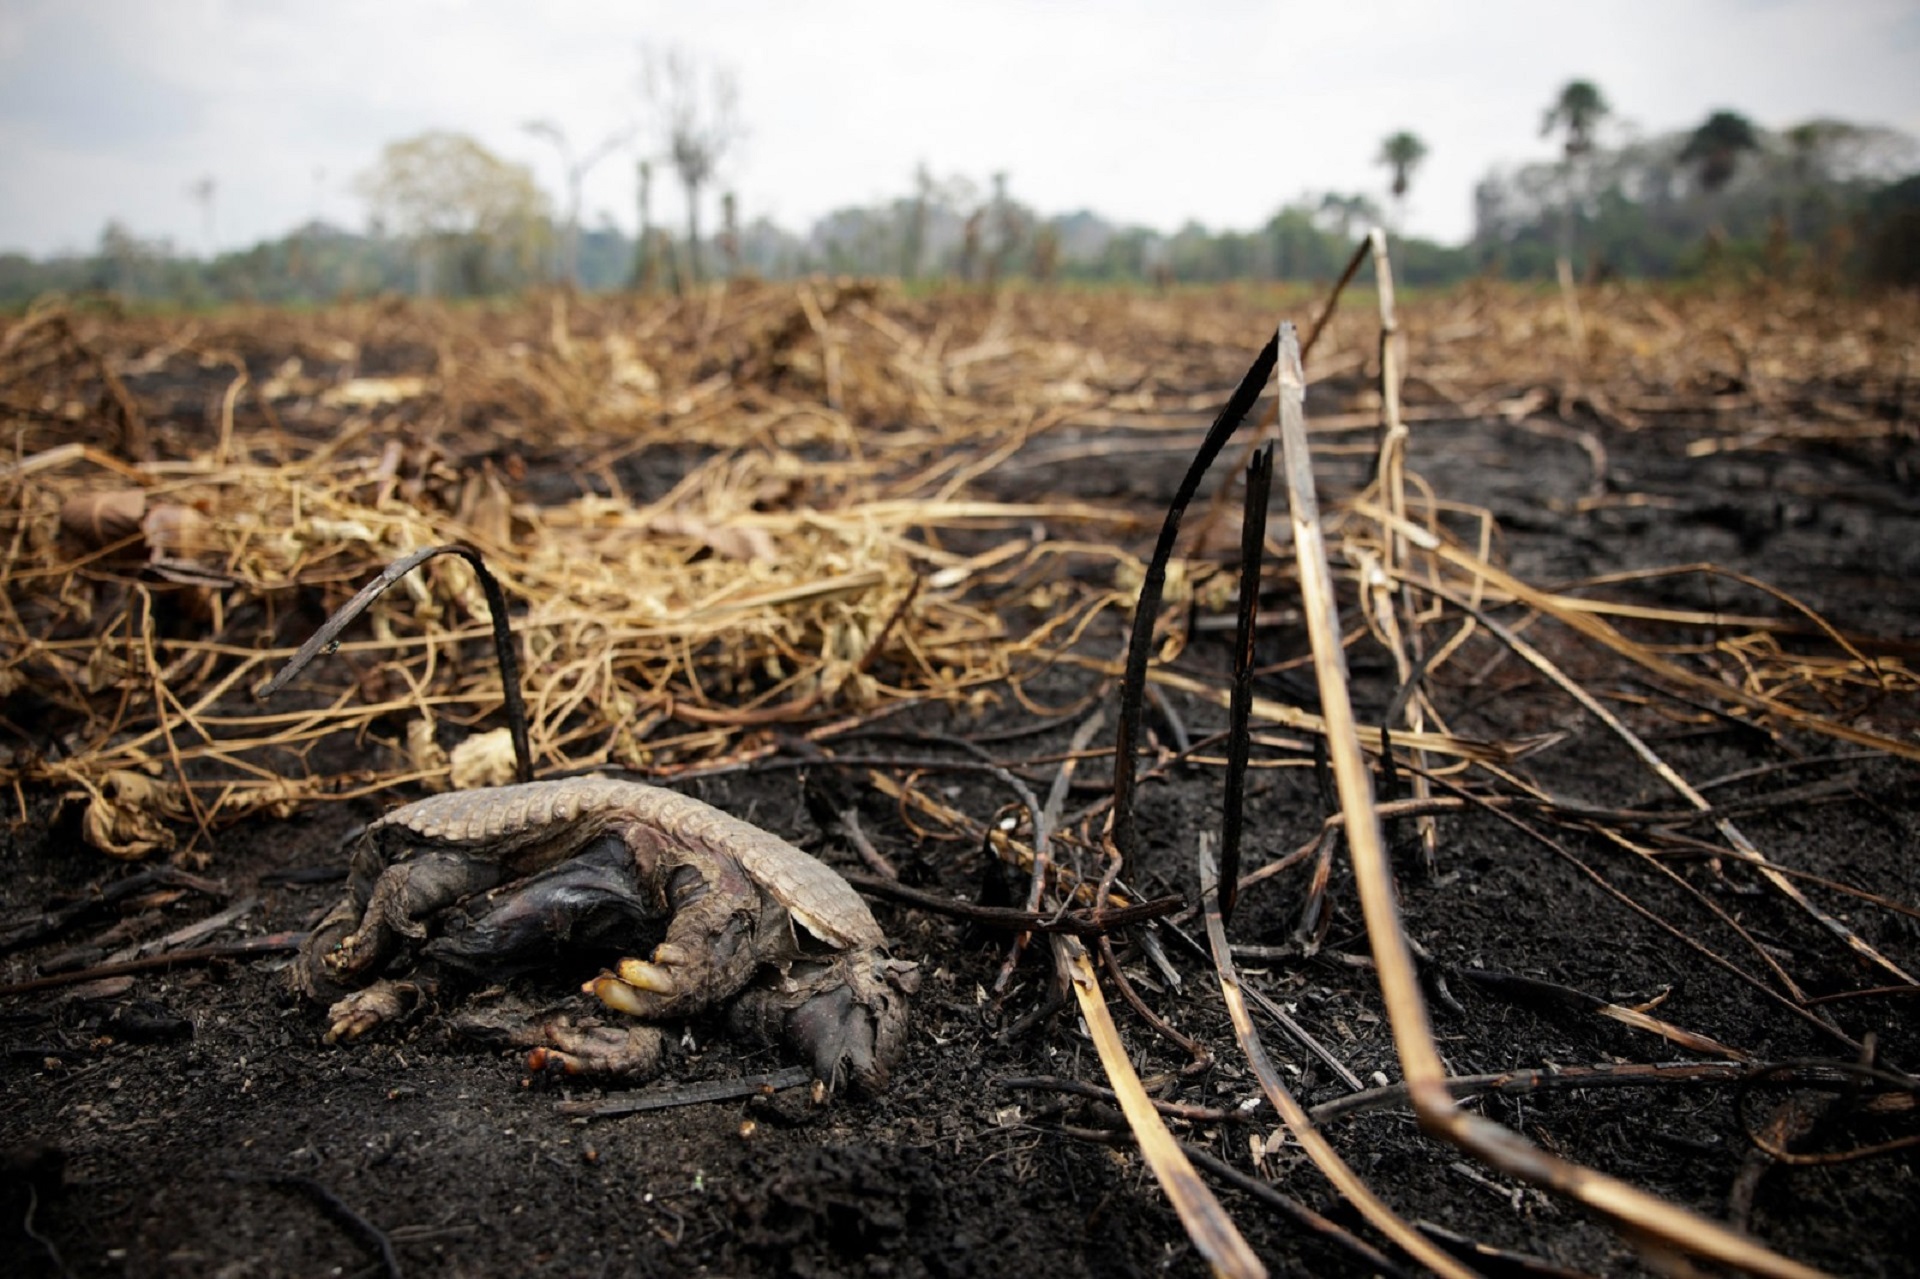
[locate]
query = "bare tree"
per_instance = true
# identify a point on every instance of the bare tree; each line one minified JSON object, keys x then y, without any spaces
{"x":576,"y":169}
{"x":202,"y":191}
{"x":913,"y":241}
{"x":1339,"y":213}
{"x":699,"y":123}
{"x":645,"y":260}
{"x":970,"y":243}
{"x":1002,"y":242}
{"x":730,"y":231}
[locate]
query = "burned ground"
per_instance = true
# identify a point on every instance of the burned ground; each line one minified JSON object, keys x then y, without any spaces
{"x":189,"y":1121}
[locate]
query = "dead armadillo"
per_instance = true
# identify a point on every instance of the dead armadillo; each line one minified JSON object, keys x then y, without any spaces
{"x":506,"y":879}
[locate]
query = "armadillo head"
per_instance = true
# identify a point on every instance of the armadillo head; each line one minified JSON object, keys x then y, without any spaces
{"x":847,"y":1015}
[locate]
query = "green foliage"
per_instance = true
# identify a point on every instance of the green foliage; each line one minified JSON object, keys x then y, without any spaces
{"x":476,"y":224}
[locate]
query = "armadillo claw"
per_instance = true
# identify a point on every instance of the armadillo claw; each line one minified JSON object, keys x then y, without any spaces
{"x":645,"y":976}
{"x":626,"y":1051}
{"x":348,"y":959}
{"x":363,"y":1010}
{"x":598,"y":1052}
{"x":616,"y":994}
{"x":635,"y":987}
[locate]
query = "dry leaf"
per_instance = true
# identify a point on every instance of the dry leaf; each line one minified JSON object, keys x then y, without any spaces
{"x":178,"y":532}
{"x":627,"y":370}
{"x":424,"y":753}
{"x":487,"y":508}
{"x":280,"y":799}
{"x":98,"y":519}
{"x":485,"y":759}
{"x":128,"y":816}
{"x":733,"y":542}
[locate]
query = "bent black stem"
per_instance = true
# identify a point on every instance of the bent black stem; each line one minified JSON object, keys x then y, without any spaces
{"x":326,"y":640}
{"x":1140,"y":644}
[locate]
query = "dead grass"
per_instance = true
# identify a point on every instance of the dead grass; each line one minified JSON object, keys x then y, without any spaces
{"x":762,"y":509}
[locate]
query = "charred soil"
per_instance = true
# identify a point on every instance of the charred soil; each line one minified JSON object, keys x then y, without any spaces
{"x":189,"y":1121}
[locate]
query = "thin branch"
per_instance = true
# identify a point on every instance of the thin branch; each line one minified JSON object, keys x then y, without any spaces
{"x":326,"y":640}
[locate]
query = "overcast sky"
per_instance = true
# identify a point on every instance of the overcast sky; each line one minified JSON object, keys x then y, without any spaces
{"x":1215,"y":110}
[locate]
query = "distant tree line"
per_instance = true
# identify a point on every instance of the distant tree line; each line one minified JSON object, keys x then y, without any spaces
{"x":1825,"y":198}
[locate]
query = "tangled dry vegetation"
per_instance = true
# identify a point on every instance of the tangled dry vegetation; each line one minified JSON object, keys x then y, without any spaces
{"x":719,"y":518}
{"x":754,"y":528}
{"x":765,"y":515}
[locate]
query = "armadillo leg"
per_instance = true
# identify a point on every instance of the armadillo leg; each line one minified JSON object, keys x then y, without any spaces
{"x":376,"y":1005}
{"x":628,"y":1052}
{"x":709,"y":953}
{"x":406,"y":893}
{"x":310,"y":972}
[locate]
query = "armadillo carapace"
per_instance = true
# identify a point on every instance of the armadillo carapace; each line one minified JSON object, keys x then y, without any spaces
{"x":512,"y":878}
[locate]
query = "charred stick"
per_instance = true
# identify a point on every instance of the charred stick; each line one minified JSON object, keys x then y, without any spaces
{"x":1794,"y":1118}
{"x":1632,"y":1075}
{"x":1196,"y":1050}
{"x":272,"y":943}
{"x":1808,"y":1014}
{"x":1507,"y":1261}
{"x":1360,"y":252}
{"x":1097,"y":1092}
{"x":1080,"y":923}
{"x":1046,"y":820}
{"x":1305,"y":1038}
{"x":849,"y":823}
{"x":1253,"y":539}
{"x":57,"y":920}
{"x":1176,"y":726}
{"x":1295,"y":1211}
{"x":194,"y":932}
{"x":326,"y":640}
{"x":339,"y":1212}
{"x":1847,"y":1086}
{"x":1545,"y":995}
{"x":689,"y":1094}
{"x":301,"y":875}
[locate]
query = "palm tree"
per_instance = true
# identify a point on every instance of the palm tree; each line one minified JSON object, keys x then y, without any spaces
{"x":1402,"y":152}
{"x":1714,"y":148}
{"x":1579,"y":108}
